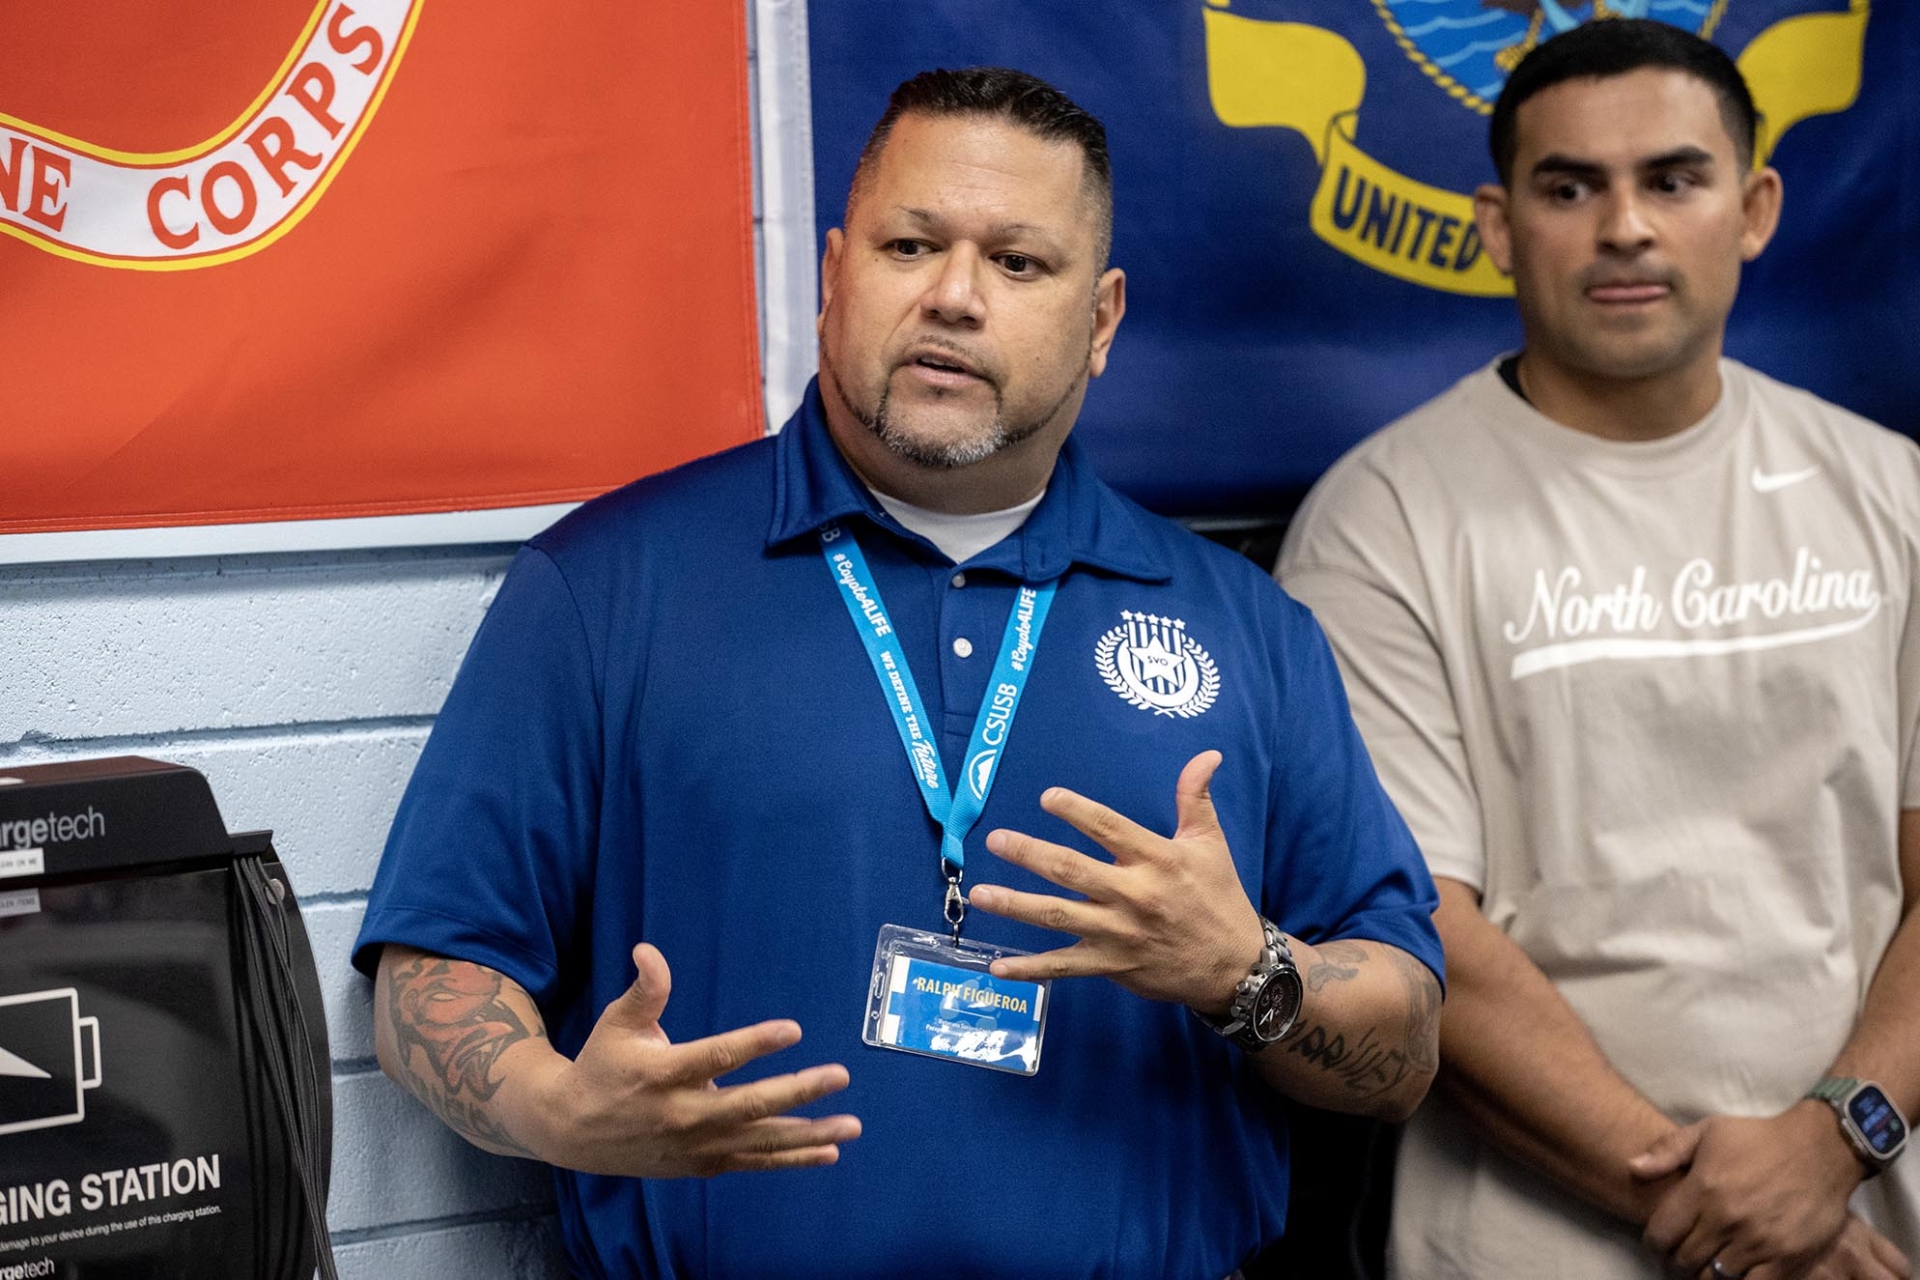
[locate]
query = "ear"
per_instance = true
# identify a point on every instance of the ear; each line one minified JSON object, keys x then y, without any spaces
{"x":829,"y":274}
{"x":1760,"y":211}
{"x":1496,"y":231}
{"x":1109,"y":304}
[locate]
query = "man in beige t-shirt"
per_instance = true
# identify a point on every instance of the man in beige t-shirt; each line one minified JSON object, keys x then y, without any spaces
{"x":1632,"y":633}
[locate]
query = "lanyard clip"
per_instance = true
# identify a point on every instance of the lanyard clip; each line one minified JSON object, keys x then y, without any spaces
{"x":956,"y":906}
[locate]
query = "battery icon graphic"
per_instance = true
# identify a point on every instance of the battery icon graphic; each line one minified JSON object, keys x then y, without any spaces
{"x":49,"y":1058}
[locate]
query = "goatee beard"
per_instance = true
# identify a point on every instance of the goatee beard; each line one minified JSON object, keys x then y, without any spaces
{"x":951,"y":455}
{"x":944,"y":456}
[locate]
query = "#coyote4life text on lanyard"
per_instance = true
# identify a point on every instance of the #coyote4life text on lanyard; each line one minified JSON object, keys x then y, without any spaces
{"x":933,"y":994}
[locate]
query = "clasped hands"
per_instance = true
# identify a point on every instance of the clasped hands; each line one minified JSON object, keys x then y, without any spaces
{"x":1765,"y":1198}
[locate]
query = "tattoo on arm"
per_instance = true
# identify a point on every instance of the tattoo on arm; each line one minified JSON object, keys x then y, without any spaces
{"x":452,"y":1012}
{"x":1366,"y":1067}
{"x":1339,"y":961}
{"x":1423,"y":1010}
{"x":1369,"y":1066}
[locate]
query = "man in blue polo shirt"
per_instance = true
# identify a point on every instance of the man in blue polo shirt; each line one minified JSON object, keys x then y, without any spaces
{"x":712,"y":720}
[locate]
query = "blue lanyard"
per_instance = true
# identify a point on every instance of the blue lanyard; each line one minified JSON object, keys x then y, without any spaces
{"x":956,"y":812}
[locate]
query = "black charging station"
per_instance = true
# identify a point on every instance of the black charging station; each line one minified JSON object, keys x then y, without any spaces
{"x":165,"y":1092}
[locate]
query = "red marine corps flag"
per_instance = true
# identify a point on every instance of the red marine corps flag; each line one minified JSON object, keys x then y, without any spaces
{"x":291,"y":259}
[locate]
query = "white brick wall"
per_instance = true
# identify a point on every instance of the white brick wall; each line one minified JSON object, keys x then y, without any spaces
{"x":235,"y":644}
{"x":303,"y":686}
{"x":508,"y":1248}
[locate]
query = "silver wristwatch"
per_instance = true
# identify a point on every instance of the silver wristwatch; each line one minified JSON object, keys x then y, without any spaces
{"x":1267,"y":1000}
{"x":1869,"y":1121}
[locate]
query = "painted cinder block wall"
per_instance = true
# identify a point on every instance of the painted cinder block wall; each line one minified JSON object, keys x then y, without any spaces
{"x":304,"y":685}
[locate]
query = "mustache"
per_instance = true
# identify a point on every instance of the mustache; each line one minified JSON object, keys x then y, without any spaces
{"x":1604,"y":276}
{"x":948,"y":351}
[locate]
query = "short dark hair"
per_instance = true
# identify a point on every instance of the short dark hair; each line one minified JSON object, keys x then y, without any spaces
{"x":1023,"y":99}
{"x":1612,"y":47}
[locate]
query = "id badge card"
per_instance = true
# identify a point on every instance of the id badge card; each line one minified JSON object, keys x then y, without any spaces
{"x":931,"y":997}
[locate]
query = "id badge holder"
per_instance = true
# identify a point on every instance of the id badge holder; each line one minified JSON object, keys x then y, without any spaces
{"x":934,"y":997}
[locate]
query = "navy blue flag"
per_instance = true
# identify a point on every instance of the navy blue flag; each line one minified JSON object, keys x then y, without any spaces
{"x":1293,"y":186}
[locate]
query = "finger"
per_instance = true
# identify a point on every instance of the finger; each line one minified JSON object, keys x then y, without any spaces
{"x":1193,"y":796}
{"x":1069,"y":868}
{"x":1702,"y":1245}
{"x":1835,"y":1264}
{"x":771,"y":1098}
{"x":1853,"y":1255}
{"x":773,"y":1143}
{"x":1118,"y":834}
{"x":638,"y":1008}
{"x":1738,"y":1261}
{"x":1672,"y":1219}
{"x":1874,"y":1267}
{"x":1888,"y":1255}
{"x":698,"y":1061}
{"x":1673,"y":1151}
{"x":774,"y":1136}
{"x":1059,"y":914}
{"x":1076,"y":961}
{"x":804,"y":1158}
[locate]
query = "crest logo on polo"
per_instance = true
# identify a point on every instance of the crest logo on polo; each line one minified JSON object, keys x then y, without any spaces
{"x":1153,"y":664}
{"x":1568,"y":622}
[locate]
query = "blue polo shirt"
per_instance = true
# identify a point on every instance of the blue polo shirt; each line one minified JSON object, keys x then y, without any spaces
{"x":667,"y":730}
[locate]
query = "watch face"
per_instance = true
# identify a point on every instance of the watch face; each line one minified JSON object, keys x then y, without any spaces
{"x":1275,"y":1006}
{"x":1877,"y":1120}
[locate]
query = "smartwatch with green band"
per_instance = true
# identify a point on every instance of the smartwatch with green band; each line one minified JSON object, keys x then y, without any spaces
{"x":1872,"y":1125}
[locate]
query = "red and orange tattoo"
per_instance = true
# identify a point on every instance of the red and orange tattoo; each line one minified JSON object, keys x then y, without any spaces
{"x":452,"y":1012}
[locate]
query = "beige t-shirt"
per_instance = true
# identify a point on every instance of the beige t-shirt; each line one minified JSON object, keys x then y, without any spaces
{"x":1658,"y":703}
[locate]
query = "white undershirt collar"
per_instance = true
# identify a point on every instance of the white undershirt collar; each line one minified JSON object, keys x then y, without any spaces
{"x":959,"y":537}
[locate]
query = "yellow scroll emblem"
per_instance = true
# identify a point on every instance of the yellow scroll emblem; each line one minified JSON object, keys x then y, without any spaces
{"x":1295,"y":76}
{"x":230,"y":196}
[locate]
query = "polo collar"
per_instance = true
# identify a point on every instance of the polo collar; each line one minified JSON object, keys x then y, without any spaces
{"x":1080,"y":521}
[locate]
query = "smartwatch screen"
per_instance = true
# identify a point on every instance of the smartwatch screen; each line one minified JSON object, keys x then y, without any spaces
{"x":1878,"y":1122}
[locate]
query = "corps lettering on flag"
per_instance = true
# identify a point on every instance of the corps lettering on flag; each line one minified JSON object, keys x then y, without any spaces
{"x":235,"y":193}
{"x":276,"y":260}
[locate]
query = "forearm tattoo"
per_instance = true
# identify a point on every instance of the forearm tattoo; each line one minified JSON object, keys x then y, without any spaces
{"x":1339,"y":962}
{"x":1423,"y":1010}
{"x":451,"y":1011}
{"x":1372,"y":1064}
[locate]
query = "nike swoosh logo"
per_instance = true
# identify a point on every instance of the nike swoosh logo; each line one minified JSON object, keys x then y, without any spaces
{"x":1774,"y":481}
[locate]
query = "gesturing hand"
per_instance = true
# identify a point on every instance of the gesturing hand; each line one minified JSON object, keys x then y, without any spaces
{"x":1756,"y":1190}
{"x":635,"y":1104}
{"x":1168,"y":919}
